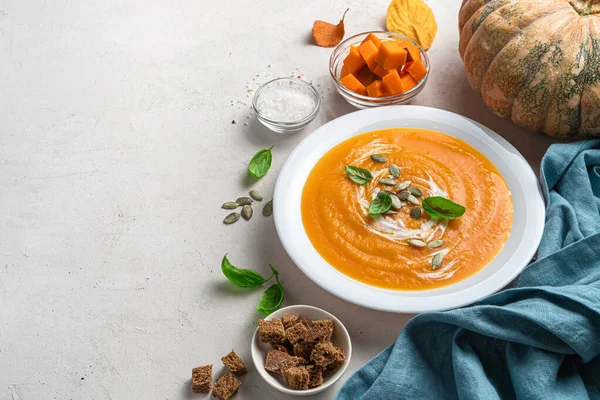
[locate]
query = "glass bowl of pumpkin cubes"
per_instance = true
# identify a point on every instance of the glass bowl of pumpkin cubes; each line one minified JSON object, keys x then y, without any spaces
{"x":374,"y":69}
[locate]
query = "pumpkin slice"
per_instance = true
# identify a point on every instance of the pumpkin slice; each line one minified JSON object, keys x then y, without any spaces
{"x":351,"y":83}
{"x":373,"y":39}
{"x":344,"y":71}
{"x":417,"y":70}
{"x":392,"y":83}
{"x":376,"y":89}
{"x":365,"y":76}
{"x":354,"y":61}
{"x":408,"y":82}
{"x":368,"y":51}
{"x":391,"y":55}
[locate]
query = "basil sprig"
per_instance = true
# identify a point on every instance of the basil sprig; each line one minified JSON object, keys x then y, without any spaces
{"x":358,"y":175}
{"x":272,"y":297}
{"x":260,"y":163}
{"x":380,"y":204}
{"x":441,"y":207}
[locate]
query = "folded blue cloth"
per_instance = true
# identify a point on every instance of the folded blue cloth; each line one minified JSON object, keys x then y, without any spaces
{"x":540,"y":340}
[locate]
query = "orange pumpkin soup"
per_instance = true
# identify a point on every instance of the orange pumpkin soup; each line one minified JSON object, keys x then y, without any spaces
{"x":374,"y":249}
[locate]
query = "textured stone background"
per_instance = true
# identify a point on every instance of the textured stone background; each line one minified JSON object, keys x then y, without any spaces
{"x":116,"y":151}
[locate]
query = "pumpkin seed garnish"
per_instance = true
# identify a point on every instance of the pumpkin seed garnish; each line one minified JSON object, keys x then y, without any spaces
{"x":394,"y":170}
{"x":387,"y":182}
{"x":436,"y":243}
{"x":413,"y":200}
{"x":268,"y":209}
{"x":417,"y":243}
{"x":244,"y":201}
{"x":416,"y":212}
{"x":378,"y":158}
{"x":256,"y":195}
{"x":230,"y":205}
{"x":415,"y":191}
{"x":404,"y":195}
{"x":436,"y":261}
{"x":247,"y":213}
{"x":388,"y":212}
{"x":231,"y":218}
{"x":403,"y":186}
{"x":396,"y":203}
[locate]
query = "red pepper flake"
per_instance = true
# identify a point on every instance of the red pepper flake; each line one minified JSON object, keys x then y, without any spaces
{"x":233,"y":121}
{"x":299,"y":77}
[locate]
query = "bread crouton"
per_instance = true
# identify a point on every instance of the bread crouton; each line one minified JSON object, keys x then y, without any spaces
{"x":226,"y":387}
{"x":201,"y":379}
{"x":278,"y":361}
{"x":271,"y":331}
{"x":234,"y":364}
{"x":297,"y":378}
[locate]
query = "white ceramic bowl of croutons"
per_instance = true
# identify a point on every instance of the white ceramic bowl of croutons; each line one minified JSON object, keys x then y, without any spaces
{"x":340,"y":338}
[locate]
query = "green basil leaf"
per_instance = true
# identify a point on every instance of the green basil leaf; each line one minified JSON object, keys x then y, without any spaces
{"x":260,"y":163}
{"x":271,"y":299}
{"x":358,"y":175}
{"x":242,"y":277}
{"x":441,"y":207}
{"x":380,"y":204}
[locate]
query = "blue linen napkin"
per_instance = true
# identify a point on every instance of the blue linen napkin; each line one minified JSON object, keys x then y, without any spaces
{"x":540,"y":340}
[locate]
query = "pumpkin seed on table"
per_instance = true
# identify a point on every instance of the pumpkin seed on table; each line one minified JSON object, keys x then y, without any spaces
{"x":247,"y":212}
{"x":416,"y":212}
{"x":230,"y":205}
{"x":231,"y":218}
{"x":387,"y":182}
{"x":378,"y":158}
{"x":394,"y":170}
{"x":417,"y":243}
{"x":436,"y":261}
{"x":403,"y":185}
{"x":404,"y":195}
{"x":415,"y":191}
{"x":436,"y":243}
{"x":413,"y":200}
{"x":244,"y":201}
{"x":268,"y":209}
{"x":256,"y":195}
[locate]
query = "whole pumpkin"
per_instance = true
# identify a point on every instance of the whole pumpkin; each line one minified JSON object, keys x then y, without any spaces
{"x":536,"y":62}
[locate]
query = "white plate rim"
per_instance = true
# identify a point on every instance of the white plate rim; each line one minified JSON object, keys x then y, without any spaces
{"x":288,"y":222}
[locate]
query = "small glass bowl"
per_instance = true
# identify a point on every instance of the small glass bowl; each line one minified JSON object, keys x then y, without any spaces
{"x":336,"y":61}
{"x":286,"y":126}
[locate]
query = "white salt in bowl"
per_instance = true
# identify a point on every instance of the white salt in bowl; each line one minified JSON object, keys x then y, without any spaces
{"x":286,"y":105}
{"x":340,"y":338}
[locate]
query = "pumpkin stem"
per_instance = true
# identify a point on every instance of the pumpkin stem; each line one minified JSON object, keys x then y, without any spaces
{"x":586,"y":7}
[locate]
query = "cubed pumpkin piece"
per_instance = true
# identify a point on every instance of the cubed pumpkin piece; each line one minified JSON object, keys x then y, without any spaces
{"x":380,"y":71}
{"x":392,"y":83}
{"x":417,"y":70}
{"x":373,"y":39}
{"x":391,"y":55}
{"x":368,"y":51}
{"x":413,"y":52}
{"x":354,"y":61}
{"x":408,"y":82}
{"x":351,"y":83}
{"x":344,"y":71}
{"x":365,"y":76}
{"x":376,"y":89}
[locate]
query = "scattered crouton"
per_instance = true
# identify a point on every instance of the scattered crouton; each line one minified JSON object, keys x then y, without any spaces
{"x":202,"y":379}
{"x":297,"y":378}
{"x":234,"y":364}
{"x":271,"y":331}
{"x":226,"y":387}
{"x":278,"y":361}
